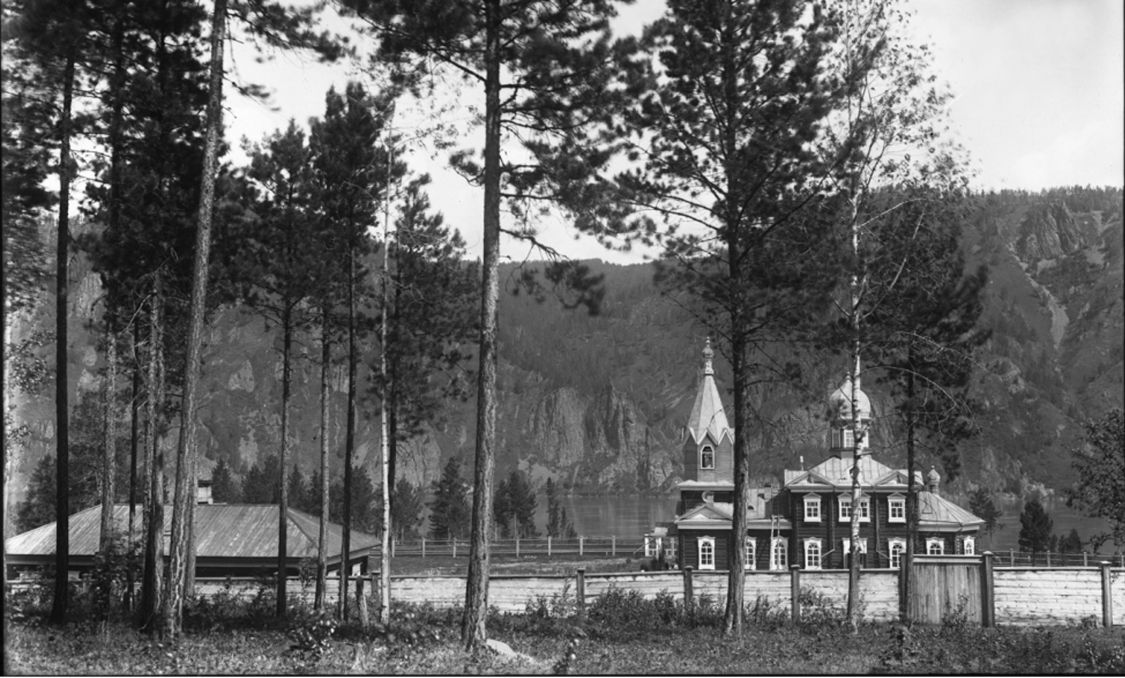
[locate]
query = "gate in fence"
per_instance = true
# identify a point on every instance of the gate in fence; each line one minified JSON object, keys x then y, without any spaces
{"x":942,"y":586}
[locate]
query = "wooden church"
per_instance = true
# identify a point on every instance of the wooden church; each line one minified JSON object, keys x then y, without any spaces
{"x":807,"y":521}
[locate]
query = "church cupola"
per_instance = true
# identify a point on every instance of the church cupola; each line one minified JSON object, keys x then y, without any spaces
{"x":842,"y":437}
{"x":708,"y":439}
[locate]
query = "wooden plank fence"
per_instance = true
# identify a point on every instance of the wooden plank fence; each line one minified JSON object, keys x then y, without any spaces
{"x":973,"y":586}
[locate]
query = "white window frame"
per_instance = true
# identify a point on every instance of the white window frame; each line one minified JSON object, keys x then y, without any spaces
{"x":702,"y":466}
{"x":932,"y":542}
{"x":650,"y":547}
{"x":813,"y":549}
{"x":812,"y":506}
{"x":670,"y":548}
{"x":896,"y":503}
{"x":845,"y":508}
{"x":709,"y":542}
{"x":848,"y":439}
{"x":779,"y":553}
{"x":896,"y":549}
{"x":969,"y":545}
{"x":749,"y":551}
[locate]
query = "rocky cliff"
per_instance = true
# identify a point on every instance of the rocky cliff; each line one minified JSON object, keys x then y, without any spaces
{"x":598,"y":402}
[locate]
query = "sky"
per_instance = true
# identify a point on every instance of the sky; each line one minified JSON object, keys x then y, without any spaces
{"x":1038,"y":101}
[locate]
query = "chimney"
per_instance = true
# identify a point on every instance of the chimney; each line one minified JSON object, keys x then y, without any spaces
{"x":203,"y":492}
{"x":933,"y":478}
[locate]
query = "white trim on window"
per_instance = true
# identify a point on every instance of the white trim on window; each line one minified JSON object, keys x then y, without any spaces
{"x":845,"y":508}
{"x":706,"y":553}
{"x":779,"y":553}
{"x":813,"y":553}
{"x":935,"y":546}
{"x":896,"y":509}
{"x":750,"y":549}
{"x":969,"y":545}
{"x":896,"y":548}
{"x":812,"y":508}
{"x":707,"y":457}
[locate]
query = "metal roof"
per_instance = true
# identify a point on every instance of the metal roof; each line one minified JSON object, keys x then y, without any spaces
{"x":936,"y":511}
{"x":221,"y":531}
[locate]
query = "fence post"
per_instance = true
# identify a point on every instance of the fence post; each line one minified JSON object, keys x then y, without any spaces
{"x":795,"y":593}
{"x":517,"y":546}
{"x":1011,"y":558}
{"x":423,"y":547}
{"x":1107,"y":598}
{"x":1085,"y":559}
{"x":689,"y":597}
{"x":987,"y":592}
{"x":613,"y":545}
{"x":455,"y":547}
{"x":580,"y":595}
{"x":361,"y":602}
{"x":1048,"y":558}
{"x":581,"y":545}
{"x":548,"y":546}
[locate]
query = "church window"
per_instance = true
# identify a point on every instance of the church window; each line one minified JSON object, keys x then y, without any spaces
{"x":935,"y":546}
{"x":706,"y":553}
{"x":896,"y":509}
{"x":779,"y":554}
{"x":707,"y":457}
{"x":896,"y":547}
{"x":812,"y":508}
{"x":750,"y":551}
{"x":849,"y":439}
{"x":812,"y":553}
{"x":969,"y":546}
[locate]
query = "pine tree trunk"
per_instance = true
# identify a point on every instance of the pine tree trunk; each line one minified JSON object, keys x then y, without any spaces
{"x":134,"y":440}
{"x":154,"y":468}
{"x":349,"y":447}
{"x":184,"y":497}
{"x":733,"y":616}
{"x":109,"y":444}
{"x":283,"y":494}
{"x":325,"y":394}
{"x":473,"y":630}
{"x":62,"y":389}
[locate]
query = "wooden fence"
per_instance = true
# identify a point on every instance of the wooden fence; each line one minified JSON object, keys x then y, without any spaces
{"x":975,"y":587}
{"x":583,"y":547}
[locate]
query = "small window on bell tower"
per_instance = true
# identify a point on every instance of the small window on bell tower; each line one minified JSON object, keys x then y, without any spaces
{"x":707,"y":457}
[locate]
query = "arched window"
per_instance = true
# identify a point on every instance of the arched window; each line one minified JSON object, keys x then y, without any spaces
{"x":935,"y":546}
{"x":707,"y":457}
{"x":812,"y":553}
{"x":750,"y":552}
{"x":896,"y":547}
{"x":779,"y":554}
{"x":969,"y":546}
{"x":706,"y":553}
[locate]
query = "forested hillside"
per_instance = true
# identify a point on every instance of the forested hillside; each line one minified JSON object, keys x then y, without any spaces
{"x":598,"y":402}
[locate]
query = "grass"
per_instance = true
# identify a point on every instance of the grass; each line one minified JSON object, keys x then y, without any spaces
{"x":621,"y":633}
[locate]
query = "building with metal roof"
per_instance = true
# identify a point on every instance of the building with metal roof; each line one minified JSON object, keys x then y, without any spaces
{"x":807,"y":521}
{"x":231,"y":539}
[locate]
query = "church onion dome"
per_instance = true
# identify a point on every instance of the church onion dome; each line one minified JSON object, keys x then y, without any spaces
{"x":840,"y":402}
